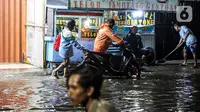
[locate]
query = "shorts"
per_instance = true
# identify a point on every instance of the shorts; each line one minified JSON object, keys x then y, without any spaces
{"x":192,"y":48}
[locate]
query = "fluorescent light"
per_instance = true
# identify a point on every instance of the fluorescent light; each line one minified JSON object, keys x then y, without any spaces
{"x":87,"y":22}
{"x":137,"y":14}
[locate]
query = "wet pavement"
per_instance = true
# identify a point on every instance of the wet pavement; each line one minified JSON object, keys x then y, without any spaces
{"x":161,"y":88}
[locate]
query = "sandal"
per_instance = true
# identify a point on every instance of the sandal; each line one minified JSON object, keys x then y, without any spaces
{"x":194,"y":67}
{"x":183,"y":64}
{"x":55,"y":75}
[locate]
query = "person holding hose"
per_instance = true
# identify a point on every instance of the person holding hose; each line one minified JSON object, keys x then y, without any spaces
{"x":190,"y":43}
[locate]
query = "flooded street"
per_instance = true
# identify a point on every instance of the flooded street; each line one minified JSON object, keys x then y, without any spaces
{"x":161,"y":88}
{"x":171,"y":89}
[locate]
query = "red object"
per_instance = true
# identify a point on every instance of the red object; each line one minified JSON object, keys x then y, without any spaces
{"x":56,"y":44}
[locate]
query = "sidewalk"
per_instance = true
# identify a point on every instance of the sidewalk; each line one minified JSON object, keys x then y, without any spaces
{"x":7,"y":68}
{"x":15,"y":66}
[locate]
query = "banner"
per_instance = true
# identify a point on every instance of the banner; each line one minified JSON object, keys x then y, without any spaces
{"x":61,"y":21}
{"x":130,"y":18}
{"x":157,"y":5}
{"x":123,"y":31}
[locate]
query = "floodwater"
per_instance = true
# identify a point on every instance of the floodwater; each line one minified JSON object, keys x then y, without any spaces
{"x":163,"y":88}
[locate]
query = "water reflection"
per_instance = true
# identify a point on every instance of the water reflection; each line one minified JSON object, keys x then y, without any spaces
{"x":164,"y":88}
{"x":13,"y":95}
{"x":161,"y":91}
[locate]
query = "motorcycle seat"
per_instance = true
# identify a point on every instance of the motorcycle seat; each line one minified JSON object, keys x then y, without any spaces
{"x":102,"y":54}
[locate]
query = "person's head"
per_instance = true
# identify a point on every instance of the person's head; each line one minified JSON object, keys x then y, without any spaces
{"x":84,"y":83}
{"x":134,"y":29}
{"x":177,"y":27}
{"x":70,"y":24}
{"x":111,"y":23}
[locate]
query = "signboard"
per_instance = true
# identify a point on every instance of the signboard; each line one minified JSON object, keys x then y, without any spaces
{"x":157,"y":5}
{"x":61,"y":21}
{"x":123,"y":31}
{"x":89,"y":27}
{"x":124,"y":20}
{"x":145,"y":18}
{"x":131,"y":18}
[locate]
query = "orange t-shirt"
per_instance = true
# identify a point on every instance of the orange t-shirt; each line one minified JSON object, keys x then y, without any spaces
{"x":104,"y":38}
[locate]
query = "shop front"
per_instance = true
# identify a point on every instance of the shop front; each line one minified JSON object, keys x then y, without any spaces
{"x":87,"y":24}
{"x":128,"y":13}
{"x":89,"y":15}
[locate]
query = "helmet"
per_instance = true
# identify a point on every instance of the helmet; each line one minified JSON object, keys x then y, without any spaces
{"x":70,"y":22}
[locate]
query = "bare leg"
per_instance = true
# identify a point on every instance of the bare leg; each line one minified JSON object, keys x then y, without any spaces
{"x":65,"y":72}
{"x":61,"y":66}
{"x":143,"y":58}
{"x":185,"y":56}
{"x":66,"y":67}
{"x":195,"y":59}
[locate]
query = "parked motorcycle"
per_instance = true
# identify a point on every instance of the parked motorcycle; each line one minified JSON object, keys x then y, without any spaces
{"x":150,"y":56}
{"x":145,"y":56}
{"x":123,"y":65}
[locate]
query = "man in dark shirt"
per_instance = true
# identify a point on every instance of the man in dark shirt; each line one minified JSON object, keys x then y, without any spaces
{"x":135,"y":42}
{"x":134,"y":39}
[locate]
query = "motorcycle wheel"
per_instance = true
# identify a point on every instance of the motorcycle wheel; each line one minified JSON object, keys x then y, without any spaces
{"x":152,"y":56}
{"x":134,"y":69}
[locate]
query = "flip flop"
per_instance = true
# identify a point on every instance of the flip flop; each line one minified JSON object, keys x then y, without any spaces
{"x":55,"y":75}
{"x":183,"y":64}
{"x":194,"y":67}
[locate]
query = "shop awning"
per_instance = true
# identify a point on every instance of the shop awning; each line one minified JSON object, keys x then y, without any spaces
{"x":57,"y":4}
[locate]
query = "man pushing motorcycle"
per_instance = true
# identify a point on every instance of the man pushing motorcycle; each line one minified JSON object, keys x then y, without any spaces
{"x":105,"y":36}
{"x":124,"y":65}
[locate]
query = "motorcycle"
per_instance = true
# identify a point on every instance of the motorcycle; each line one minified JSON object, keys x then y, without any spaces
{"x":151,"y":56}
{"x":112,"y":65}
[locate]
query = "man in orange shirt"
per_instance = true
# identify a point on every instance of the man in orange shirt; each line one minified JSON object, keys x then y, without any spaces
{"x":105,"y":36}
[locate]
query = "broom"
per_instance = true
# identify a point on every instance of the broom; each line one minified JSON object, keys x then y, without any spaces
{"x":164,"y":59}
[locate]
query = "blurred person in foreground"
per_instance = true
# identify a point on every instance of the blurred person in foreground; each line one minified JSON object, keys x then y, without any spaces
{"x":84,"y":85}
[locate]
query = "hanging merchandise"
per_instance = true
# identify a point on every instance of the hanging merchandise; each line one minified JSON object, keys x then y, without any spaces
{"x":56,"y":43}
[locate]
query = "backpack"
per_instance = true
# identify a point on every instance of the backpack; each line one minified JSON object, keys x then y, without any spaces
{"x":56,"y":44}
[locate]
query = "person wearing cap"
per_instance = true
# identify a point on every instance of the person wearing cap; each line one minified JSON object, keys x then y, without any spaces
{"x":105,"y":36}
{"x":66,"y":47}
{"x":187,"y":37}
